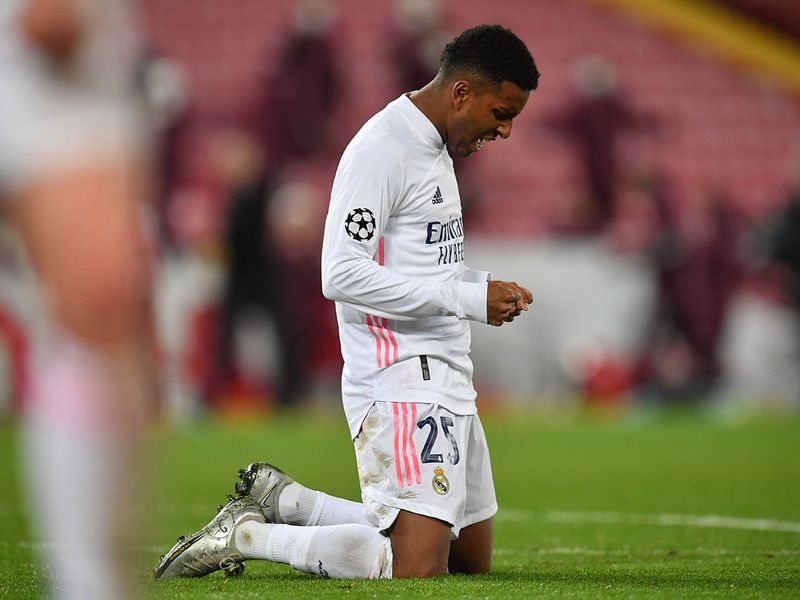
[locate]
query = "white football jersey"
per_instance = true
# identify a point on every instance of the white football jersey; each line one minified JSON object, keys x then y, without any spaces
{"x":393,"y":260}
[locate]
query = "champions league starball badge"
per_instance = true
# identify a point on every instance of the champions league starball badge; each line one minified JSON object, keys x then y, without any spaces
{"x":360,"y":224}
{"x":440,"y":484}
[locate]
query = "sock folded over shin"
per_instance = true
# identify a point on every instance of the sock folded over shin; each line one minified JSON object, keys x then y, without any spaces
{"x":347,"y":551}
{"x":302,"y":506}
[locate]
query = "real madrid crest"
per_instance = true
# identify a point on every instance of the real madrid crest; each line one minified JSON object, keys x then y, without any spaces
{"x":440,"y":484}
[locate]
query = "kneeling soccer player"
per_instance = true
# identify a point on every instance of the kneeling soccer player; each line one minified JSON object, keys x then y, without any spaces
{"x":393,"y":261}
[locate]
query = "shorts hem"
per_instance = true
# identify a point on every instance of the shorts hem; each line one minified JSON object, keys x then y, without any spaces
{"x":479,"y":516}
{"x":395,"y":506}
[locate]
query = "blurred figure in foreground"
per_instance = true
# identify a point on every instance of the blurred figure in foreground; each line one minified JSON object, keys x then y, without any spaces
{"x":72,"y":174}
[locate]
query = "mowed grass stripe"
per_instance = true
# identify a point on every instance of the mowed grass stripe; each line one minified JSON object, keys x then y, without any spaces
{"x":507,"y":551}
{"x":666,"y":520}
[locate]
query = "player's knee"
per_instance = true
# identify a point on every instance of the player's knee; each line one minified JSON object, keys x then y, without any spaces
{"x":109,"y":310}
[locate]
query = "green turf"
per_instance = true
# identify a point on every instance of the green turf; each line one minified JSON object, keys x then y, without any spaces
{"x":590,"y":508}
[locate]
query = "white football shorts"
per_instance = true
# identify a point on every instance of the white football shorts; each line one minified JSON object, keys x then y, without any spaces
{"x":424,"y":459}
{"x":58,"y":117}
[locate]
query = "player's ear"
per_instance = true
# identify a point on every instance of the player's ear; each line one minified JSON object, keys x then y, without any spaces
{"x":460,"y":91}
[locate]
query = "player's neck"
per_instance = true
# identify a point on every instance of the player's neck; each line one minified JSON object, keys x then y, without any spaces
{"x":430,"y":103}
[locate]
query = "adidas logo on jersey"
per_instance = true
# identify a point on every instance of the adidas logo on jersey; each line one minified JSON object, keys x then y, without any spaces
{"x":437,"y":196}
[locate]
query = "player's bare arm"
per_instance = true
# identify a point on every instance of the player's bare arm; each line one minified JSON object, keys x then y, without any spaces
{"x":505,"y":300}
{"x":53,"y":26}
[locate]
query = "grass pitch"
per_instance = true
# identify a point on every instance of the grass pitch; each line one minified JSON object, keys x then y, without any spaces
{"x":677,"y":506}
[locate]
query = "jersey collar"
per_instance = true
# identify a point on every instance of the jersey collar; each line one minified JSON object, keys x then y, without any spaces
{"x":420,"y":122}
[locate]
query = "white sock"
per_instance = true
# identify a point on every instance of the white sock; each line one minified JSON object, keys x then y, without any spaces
{"x":78,"y":458}
{"x":299,"y":505}
{"x":348,"y":551}
{"x":69,"y":475}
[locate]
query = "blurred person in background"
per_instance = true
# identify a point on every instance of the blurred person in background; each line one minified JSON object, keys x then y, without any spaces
{"x":416,"y":40}
{"x":775,"y":247}
{"x":708,"y":274}
{"x":785,"y":238}
{"x":166,"y":84}
{"x":392,"y":259}
{"x":272,"y":243}
{"x":73,"y":173}
{"x":699,"y":269}
{"x":644,"y":227}
{"x":290,"y":125}
{"x":250,"y":281}
{"x":594,"y":123}
{"x":294,"y":222}
{"x":294,"y":116}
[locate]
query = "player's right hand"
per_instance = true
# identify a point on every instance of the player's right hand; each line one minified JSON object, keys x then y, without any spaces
{"x":505,"y":300}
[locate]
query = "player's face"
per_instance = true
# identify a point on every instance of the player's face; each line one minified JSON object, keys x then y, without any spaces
{"x":483,"y":115}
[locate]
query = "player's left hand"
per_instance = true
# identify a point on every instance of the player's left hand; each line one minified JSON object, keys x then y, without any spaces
{"x":506,"y":300}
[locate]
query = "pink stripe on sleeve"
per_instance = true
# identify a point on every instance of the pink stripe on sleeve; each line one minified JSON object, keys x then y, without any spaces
{"x":383,"y":324}
{"x":392,"y":339}
{"x":386,"y":345}
{"x":372,"y":324}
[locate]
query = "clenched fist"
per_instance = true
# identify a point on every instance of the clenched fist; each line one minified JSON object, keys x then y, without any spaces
{"x":506,"y":300}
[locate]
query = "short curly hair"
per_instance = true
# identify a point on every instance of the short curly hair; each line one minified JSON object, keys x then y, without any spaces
{"x":492,"y":52}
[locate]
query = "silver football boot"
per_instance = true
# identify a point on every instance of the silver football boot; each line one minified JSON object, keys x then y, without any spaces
{"x":264,"y":483}
{"x":212,"y":548}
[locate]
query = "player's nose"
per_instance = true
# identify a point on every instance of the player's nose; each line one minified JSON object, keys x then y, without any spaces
{"x":504,"y":130}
